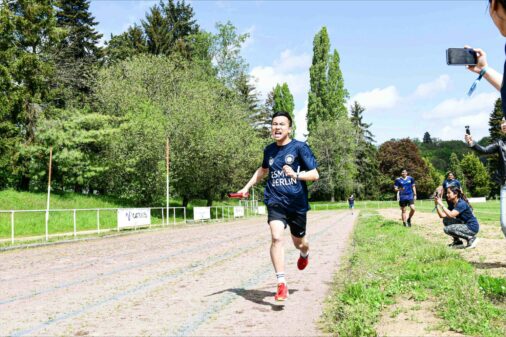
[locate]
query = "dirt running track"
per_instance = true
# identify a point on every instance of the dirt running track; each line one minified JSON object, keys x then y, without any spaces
{"x":207,"y":280}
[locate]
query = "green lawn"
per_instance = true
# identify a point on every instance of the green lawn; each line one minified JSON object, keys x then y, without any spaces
{"x":388,"y":261}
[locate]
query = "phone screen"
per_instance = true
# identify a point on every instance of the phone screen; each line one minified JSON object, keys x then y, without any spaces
{"x":460,"y":56}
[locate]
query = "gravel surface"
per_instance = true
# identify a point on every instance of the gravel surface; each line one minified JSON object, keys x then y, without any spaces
{"x":206,"y":280}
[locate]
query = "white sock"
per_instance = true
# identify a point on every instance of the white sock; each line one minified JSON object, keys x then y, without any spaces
{"x":304,"y":255}
{"x":281,"y":277}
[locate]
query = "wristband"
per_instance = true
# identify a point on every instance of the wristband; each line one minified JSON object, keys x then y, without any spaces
{"x":476,"y":81}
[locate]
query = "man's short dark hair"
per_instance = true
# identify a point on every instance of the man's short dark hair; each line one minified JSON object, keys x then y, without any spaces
{"x":283,"y":114}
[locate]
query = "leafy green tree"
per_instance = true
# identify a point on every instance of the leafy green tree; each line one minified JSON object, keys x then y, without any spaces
{"x":226,"y":53}
{"x":214,"y":148}
{"x":126,"y":45}
{"x":395,"y":155}
{"x":334,"y":147}
{"x":477,"y":178}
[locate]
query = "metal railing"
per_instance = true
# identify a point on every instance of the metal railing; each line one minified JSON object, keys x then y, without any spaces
{"x":74,"y":222}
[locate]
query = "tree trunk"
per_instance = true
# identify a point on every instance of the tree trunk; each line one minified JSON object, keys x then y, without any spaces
{"x":186,"y":200}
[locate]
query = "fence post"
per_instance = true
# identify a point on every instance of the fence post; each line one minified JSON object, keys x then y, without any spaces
{"x":98,"y":221}
{"x":75,"y":226}
{"x":184,"y":208}
{"x":163,"y":218}
{"x":174,"y":209}
{"x":12,"y":227}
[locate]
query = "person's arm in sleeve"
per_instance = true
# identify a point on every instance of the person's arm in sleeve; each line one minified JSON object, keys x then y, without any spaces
{"x":490,"y":149}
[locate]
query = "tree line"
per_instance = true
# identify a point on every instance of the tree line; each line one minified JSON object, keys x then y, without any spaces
{"x":108,"y":110}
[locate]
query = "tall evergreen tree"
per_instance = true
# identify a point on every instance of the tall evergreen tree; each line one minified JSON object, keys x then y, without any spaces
{"x":78,"y":54}
{"x":126,"y":45}
{"x":283,"y":101}
{"x":426,"y":138}
{"x":29,"y":72}
{"x":366,"y":159}
{"x":336,"y":95}
{"x":318,"y":78}
{"x":168,"y":28}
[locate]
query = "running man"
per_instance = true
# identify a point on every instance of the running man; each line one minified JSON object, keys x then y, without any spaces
{"x":351,"y":203}
{"x":289,"y":163}
{"x":405,"y":186}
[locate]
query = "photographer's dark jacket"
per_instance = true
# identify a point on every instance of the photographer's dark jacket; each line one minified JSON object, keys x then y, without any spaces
{"x":498,"y":146}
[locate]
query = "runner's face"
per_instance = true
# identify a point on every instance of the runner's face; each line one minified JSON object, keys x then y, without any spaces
{"x":404,"y":173}
{"x":503,"y":127}
{"x":281,"y":129}
{"x":451,"y":176}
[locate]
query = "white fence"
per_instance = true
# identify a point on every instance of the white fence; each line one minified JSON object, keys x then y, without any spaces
{"x":79,"y":221}
{"x":92,"y":221}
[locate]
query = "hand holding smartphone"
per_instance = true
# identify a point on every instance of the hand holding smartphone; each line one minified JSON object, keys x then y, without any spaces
{"x":461,"y":56}
{"x":468,"y":132}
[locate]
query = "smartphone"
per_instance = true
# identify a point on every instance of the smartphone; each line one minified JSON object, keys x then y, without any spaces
{"x":467,"y":130}
{"x":460,"y":56}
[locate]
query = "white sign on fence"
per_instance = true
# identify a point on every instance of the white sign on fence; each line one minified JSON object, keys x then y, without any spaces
{"x":201,"y":213}
{"x":479,"y":199}
{"x":238,"y":211}
{"x":134,"y":217}
{"x":261,"y":210}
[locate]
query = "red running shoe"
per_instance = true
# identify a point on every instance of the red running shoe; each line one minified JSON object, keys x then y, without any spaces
{"x":282,"y":293}
{"x":302,"y":262}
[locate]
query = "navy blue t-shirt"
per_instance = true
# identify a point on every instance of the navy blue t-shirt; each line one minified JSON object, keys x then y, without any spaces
{"x":407,"y":184}
{"x":466,"y":215}
{"x":282,"y":190}
{"x":351,"y":201}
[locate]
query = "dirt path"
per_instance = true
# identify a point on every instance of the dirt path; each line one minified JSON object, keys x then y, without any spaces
{"x":208,"y":280}
{"x":489,"y":257}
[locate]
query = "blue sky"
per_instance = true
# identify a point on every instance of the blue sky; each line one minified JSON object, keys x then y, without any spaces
{"x":392,"y":55}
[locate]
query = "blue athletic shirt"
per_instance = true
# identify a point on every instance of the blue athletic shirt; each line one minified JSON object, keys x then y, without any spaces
{"x":447,"y":183}
{"x":351,"y":201}
{"x":466,"y":215}
{"x":407,"y":184}
{"x":282,"y":190}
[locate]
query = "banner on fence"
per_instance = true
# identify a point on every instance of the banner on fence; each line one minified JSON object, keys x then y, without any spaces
{"x":134,"y":217}
{"x":478,"y":199}
{"x":201,"y":213}
{"x":238,"y":211}
{"x":261,"y":210}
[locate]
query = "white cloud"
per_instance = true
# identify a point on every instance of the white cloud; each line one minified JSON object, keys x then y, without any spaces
{"x":290,"y":68}
{"x":454,"y":128}
{"x":378,"y":99}
{"x":431,"y":88}
{"x":479,"y":104}
{"x":300,"y":122}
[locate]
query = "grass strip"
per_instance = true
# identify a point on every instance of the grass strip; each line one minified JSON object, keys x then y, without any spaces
{"x":388,"y":260}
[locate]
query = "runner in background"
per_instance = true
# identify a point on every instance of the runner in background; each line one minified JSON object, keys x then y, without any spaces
{"x":289,"y":163}
{"x":351,"y":203}
{"x":450,"y":180}
{"x":406,"y":189}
